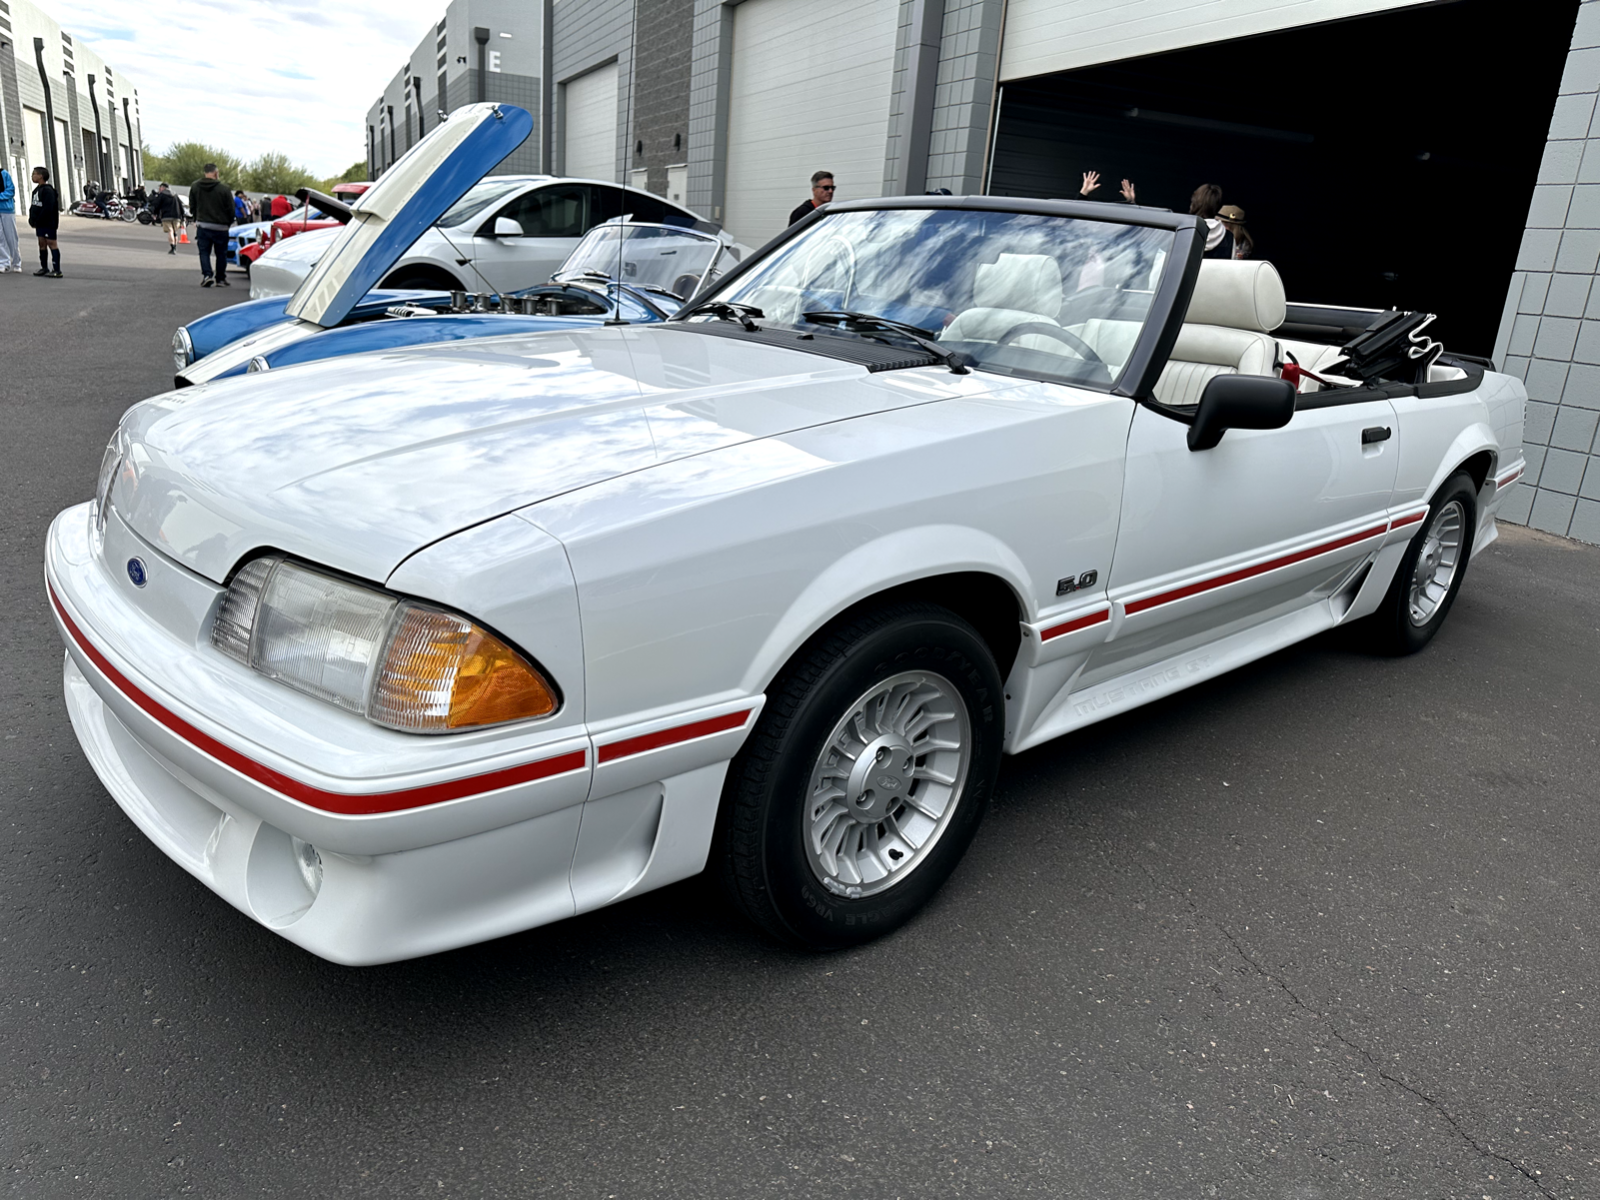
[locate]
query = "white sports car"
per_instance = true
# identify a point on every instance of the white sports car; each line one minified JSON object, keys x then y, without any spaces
{"x":506,"y":233}
{"x":407,"y":650}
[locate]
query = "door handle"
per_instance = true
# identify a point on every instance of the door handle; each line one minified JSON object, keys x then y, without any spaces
{"x":1375,"y":433}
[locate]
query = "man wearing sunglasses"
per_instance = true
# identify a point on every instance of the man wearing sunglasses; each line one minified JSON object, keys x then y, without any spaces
{"x":822,"y":189}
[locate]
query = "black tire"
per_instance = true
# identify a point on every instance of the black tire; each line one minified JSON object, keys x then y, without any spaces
{"x":761,"y":844}
{"x":1394,"y":628}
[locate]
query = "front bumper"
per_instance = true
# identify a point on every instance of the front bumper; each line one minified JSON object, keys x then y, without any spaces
{"x":424,"y":843}
{"x":365,"y":908}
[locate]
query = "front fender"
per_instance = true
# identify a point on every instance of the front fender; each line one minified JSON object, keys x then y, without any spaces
{"x":213,"y":331}
{"x":904,"y":556}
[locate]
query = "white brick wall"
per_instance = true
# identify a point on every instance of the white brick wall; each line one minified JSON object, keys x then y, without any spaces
{"x":1550,"y":331}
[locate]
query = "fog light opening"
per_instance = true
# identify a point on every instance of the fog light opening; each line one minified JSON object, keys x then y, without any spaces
{"x":309,"y":864}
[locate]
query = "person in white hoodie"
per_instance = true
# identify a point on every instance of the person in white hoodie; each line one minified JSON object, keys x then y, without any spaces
{"x":1205,"y":203}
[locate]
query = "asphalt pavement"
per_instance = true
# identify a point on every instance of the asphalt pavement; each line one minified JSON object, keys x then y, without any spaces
{"x":1323,"y":928}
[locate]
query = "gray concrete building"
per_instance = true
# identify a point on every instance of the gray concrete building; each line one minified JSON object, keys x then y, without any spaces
{"x":480,"y":50}
{"x":1550,"y":328}
{"x":62,"y":106}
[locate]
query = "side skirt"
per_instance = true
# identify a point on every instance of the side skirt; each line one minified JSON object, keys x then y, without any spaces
{"x":1117,"y":695}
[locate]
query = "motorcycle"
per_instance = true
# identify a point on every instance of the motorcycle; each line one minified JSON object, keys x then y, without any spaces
{"x":111,"y":208}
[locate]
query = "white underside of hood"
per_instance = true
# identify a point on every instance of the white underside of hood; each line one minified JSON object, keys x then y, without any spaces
{"x":358,"y":462}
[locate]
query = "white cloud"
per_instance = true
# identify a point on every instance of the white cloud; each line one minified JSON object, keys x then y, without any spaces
{"x":248,"y":76}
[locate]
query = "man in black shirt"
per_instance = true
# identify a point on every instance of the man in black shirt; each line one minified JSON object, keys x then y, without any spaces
{"x":821,"y":192}
{"x":44,"y":214}
{"x":169,"y":211}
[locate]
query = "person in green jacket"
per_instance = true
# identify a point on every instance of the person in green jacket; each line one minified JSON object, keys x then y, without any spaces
{"x":211,"y":206}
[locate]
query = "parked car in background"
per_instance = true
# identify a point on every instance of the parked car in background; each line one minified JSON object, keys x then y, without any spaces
{"x":411,"y":649}
{"x":247,"y":241}
{"x":513,"y":231}
{"x":621,"y":271}
{"x":310,"y":216}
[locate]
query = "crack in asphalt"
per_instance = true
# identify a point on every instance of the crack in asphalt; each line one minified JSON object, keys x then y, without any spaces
{"x":1436,"y":1105}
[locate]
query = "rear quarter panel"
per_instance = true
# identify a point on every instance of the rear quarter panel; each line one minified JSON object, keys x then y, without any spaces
{"x":1439,"y":433}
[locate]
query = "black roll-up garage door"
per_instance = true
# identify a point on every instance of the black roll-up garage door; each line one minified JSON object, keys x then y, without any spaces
{"x":1382,"y":161}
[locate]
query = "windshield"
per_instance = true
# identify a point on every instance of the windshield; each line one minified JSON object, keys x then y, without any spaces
{"x":479,"y":197}
{"x":1018,"y":293}
{"x":670,"y":259}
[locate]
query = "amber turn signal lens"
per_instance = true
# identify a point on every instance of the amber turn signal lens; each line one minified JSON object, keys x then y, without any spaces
{"x":441,"y":672}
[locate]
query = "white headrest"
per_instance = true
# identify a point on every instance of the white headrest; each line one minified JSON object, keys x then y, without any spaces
{"x":1027,"y":282}
{"x":1237,"y":294}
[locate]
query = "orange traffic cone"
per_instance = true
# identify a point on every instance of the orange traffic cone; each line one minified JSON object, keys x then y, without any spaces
{"x":183,"y":235}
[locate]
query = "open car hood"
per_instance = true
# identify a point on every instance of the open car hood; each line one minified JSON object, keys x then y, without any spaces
{"x":413,"y":194}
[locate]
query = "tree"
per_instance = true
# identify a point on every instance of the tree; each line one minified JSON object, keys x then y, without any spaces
{"x":184,"y":162}
{"x":273,"y":172}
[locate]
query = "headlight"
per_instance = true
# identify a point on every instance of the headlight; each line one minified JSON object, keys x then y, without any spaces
{"x":182,"y":349}
{"x":109,"y":462}
{"x":398,"y":663}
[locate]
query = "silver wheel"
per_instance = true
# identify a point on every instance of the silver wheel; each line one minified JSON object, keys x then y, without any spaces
{"x":1438,"y":562}
{"x":887,"y":783}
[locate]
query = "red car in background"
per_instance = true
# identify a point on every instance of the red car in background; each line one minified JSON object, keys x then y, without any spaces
{"x":315,"y":213}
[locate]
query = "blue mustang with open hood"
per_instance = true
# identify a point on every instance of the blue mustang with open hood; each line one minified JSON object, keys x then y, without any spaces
{"x":622,"y":271}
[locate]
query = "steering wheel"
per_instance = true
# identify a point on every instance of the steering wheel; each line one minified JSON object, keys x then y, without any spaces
{"x":1072,"y":340}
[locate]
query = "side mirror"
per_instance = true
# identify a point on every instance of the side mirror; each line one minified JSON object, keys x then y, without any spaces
{"x":1240,"y":402}
{"x":505,"y":227}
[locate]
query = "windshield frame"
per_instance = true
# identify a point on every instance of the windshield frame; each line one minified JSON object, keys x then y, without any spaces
{"x":1170,"y":301}
{"x":716,"y":243}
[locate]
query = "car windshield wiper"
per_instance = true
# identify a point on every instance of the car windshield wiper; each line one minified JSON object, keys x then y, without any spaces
{"x":724,"y":311}
{"x":867,"y":323}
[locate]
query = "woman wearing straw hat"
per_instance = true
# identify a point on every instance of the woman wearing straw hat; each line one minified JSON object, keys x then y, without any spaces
{"x":1232,"y":217}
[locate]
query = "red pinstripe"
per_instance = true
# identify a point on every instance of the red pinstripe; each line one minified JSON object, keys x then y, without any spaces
{"x":1075,"y":624}
{"x":350,"y":804}
{"x":1287,"y":560}
{"x":671,"y":737}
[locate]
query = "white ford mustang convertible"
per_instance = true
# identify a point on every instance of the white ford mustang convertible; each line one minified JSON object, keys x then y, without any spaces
{"x":407,"y":650}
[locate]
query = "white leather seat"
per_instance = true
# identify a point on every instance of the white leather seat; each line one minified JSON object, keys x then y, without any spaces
{"x":1236,"y":304}
{"x":1018,"y":289}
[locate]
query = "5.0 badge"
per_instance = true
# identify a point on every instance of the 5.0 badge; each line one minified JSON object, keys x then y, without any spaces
{"x":1069,"y":585}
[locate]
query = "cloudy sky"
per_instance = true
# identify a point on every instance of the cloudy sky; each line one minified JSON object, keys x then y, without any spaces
{"x":253,"y":75}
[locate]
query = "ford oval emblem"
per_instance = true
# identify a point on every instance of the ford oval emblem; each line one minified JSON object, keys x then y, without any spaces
{"x":137,"y":573}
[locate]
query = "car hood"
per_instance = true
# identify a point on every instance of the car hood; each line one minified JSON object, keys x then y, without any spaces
{"x":307,"y":247}
{"x":356,"y":463}
{"x":413,"y":194}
